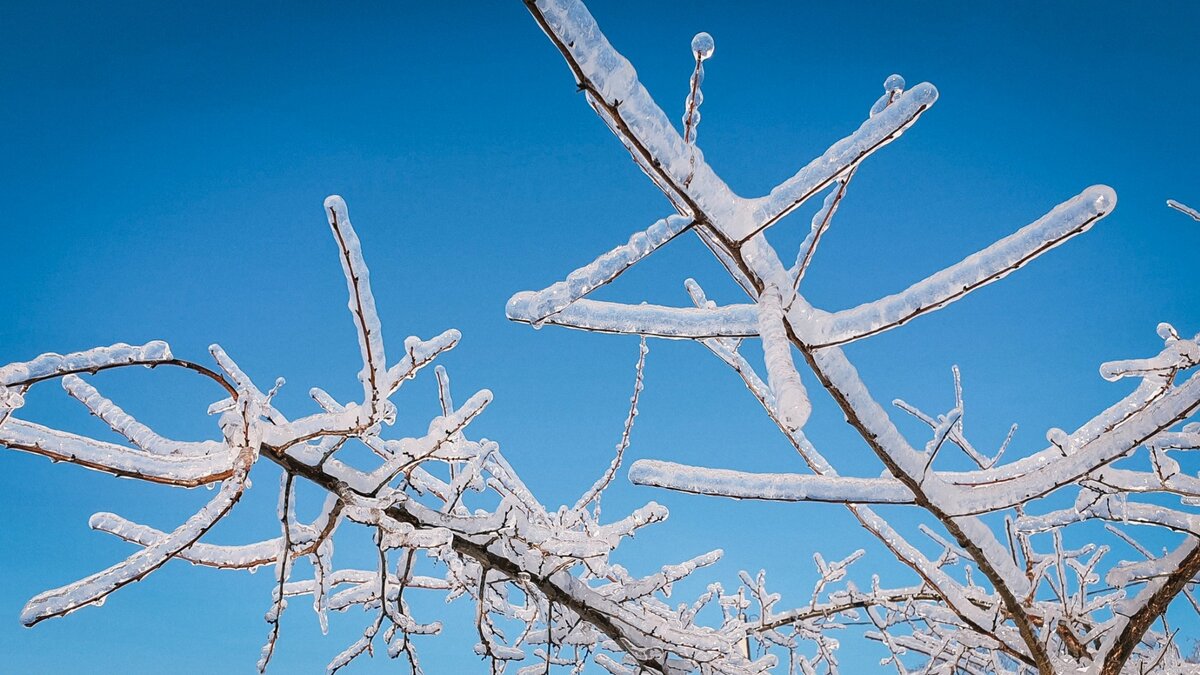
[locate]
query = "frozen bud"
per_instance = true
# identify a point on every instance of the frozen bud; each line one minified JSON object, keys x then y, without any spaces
{"x":703,"y":46}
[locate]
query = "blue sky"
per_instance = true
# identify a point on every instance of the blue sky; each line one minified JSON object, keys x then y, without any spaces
{"x":162,"y":169}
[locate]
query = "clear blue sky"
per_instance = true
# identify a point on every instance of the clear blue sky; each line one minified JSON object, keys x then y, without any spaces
{"x":162,"y":169}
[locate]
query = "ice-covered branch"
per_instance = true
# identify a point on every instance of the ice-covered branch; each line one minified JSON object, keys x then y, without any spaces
{"x":536,"y":307}
{"x":1066,"y":220}
{"x":1039,"y":610}
{"x":1184,"y":209}
{"x":613,"y":90}
{"x":63,"y":446}
{"x":876,"y":132}
{"x":679,"y":323}
{"x":782,"y":487}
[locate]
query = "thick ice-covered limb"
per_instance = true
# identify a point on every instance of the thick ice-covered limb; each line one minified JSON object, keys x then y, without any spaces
{"x":791,"y":399}
{"x":535,"y":307}
{"x":118,"y":460}
{"x":1066,"y":220}
{"x":361,"y":304}
{"x":842,"y":156}
{"x":782,"y":487}
{"x":50,"y":365}
{"x":246,"y":556}
{"x":680,"y":323}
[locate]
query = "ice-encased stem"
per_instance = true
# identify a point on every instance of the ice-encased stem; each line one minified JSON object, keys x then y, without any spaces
{"x":52,"y":365}
{"x":1184,"y":209}
{"x":361,"y":304}
{"x":1066,"y":220}
{"x":536,"y":307}
{"x":781,"y":487}
{"x":791,"y":399}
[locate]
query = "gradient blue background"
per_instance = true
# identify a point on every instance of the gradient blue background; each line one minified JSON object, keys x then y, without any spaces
{"x":162,"y":170}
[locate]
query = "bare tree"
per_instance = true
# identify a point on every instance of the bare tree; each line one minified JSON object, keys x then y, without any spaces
{"x":1040,"y":607}
{"x":450,"y":515}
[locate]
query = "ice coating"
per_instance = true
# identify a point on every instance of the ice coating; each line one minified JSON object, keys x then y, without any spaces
{"x":893,"y":86}
{"x":188,"y":471}
{"x":982,"y":593}
{"x":819,"y":224}
{"x":1184,"y":209}
{"x":703,"y":46}
{"x":609,"y":77}
{"x":53,"y":365}
{"x":874,"y":133}
{"x":650,"y":320}
{"x":121,"y":422}
{"x":536,"y":307}
{"x":550,"y":559}
{"x":200,"y":553}
{"x":420,"y":353}
{"x":768,"y":486}
{"x":981,"y":605}
{"x":10,"y":399}
{"x":702,"y":49}
{"x":361,"y":303}
{"x":791,"y":399}
{"x":95,"y":587}
{"x":1066,"y":220}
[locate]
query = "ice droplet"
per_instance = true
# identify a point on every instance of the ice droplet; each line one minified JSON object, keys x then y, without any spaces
{"x":893,"y":83}
{"x":703,"y":46}
{"x":1167,"y":332}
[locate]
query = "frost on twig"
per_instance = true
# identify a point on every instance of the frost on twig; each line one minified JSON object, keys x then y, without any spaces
{"x":1002,"y":593}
